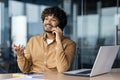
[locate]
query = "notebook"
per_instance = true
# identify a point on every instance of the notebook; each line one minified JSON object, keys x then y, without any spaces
{"x":103,"y":62}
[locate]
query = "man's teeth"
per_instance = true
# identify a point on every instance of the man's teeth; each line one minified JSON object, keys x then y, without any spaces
{"x":49,"y":26}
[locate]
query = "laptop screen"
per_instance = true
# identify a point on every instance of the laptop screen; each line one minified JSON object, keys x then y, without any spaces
{"x":104,"y":60}
{"x":103,"y":63}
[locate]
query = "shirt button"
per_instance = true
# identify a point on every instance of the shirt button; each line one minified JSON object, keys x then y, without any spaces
{"x":45,"y":62}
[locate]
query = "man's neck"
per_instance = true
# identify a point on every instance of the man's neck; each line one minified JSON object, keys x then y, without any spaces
{"x":50,"y":36}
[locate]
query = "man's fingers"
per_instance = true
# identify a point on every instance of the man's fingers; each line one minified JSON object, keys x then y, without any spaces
{"x":22,"y":48}
{"x":15,"y":49}
{"x":14,"y":46}
{"x":19,"y":48}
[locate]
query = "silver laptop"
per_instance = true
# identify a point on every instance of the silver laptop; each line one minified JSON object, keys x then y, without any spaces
{"x":103,"y":63}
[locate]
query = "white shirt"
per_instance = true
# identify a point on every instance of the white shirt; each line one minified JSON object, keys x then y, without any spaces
{"x":49,"y":41}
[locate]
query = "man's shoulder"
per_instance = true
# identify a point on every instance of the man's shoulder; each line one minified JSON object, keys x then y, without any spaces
{"x":68,"y":40}
{"x":36,"y":37}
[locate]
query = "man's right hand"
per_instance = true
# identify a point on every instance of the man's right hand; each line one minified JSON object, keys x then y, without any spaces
{"x":19,"y":49}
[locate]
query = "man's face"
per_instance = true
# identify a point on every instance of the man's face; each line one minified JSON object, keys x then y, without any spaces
{"x":50,"y":22}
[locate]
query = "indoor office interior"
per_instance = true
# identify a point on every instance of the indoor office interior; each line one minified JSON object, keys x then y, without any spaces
{"x":91,"y":24}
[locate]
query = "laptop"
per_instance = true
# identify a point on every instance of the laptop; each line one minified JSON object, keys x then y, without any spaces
{"x":103,"y":62}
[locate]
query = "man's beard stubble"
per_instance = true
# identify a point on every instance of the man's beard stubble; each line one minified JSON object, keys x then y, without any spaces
{"x":48,"y":31}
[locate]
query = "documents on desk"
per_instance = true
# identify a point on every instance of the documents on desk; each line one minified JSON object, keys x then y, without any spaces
{"x":24,"y":79}
{"x":19,"y":76}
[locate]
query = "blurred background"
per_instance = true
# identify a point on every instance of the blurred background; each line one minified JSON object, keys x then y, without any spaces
{"x":91,"y":24}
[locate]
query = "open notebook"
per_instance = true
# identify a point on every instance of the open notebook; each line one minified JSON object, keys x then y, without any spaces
{"x":103,"y":63}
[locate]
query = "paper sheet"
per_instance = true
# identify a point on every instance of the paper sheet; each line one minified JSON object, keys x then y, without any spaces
{"x":26,"y":77}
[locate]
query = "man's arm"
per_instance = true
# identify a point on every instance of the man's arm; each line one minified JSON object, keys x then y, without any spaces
{"x":24,"y":59}
{"x":24,"y":63}
{"x":64,"y":56}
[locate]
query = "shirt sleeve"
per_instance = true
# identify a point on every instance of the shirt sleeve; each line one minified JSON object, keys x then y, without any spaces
{"x":64,"y":56}
{"x":24,"y":61}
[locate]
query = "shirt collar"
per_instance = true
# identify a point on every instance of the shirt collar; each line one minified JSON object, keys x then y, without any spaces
{"x":45,"y":36}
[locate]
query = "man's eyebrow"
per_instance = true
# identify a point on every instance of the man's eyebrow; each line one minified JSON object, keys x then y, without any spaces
{"x":55,"y":17}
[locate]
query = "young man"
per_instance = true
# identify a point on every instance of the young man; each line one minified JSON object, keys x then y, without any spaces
{"x":51,"y":51}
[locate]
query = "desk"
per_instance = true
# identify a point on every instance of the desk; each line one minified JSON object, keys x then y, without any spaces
{"x":113,"y":75}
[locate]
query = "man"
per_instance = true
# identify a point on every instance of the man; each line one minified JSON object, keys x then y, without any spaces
{"x":51,"y":51}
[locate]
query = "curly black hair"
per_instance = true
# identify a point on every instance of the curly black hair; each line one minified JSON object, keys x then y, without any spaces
{"x":57,"y":12}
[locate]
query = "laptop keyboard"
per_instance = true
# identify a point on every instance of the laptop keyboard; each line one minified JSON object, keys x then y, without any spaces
{"x":84,"y":72}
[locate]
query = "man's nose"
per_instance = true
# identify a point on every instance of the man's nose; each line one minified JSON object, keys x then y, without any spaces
{"x":48,"y":21}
